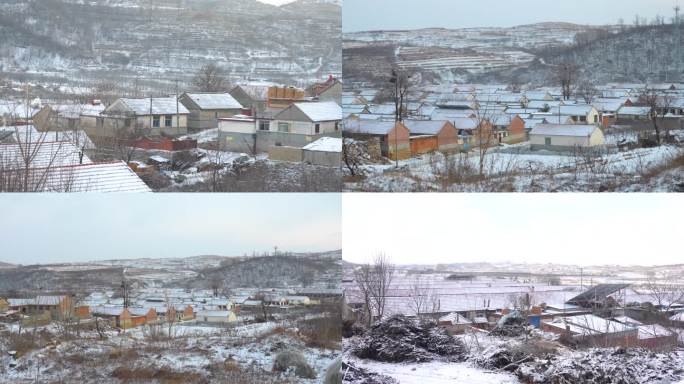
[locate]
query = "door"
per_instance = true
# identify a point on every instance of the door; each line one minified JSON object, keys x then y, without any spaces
{"x":547,"y":141}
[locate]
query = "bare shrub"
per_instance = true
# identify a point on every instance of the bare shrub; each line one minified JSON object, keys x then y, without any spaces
{"x":324,"y":332}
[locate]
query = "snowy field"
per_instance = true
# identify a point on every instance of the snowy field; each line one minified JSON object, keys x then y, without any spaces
{"x":202,"y":352}
{"x":517,"y":169}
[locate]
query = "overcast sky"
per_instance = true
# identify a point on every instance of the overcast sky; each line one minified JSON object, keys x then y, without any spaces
{"x":363,"y":15}
{"x":81,"y":227}
{"x":575,"y":229}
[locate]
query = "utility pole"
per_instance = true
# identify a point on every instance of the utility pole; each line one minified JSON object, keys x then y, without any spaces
{"x":678,"y":39}
{"x":177,"y":114}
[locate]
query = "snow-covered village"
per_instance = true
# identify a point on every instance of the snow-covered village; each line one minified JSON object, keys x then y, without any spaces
{"x":266,"y":316}
{"x":170,"y":96}
{"x":540,"y":107}
{"x":534,"y":305}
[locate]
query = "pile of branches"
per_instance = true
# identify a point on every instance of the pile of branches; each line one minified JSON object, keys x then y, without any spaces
{"x":605,"y":366}
{"x":400,"y":339}
{"x":355,"y":375}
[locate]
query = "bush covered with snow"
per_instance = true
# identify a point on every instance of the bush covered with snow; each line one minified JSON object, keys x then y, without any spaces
{"x":400,"y":339}
{"x":287,"y":360}
{"x":605,"y":366}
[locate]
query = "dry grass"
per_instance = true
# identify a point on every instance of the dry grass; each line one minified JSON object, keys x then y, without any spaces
{"x":325,"y":332}
{"x":162,"y":375}
{"x":128,"y":354}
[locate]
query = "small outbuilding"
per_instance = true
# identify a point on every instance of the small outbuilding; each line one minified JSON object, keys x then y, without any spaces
{"x":566,"y":137}
{"x":326,"y":151}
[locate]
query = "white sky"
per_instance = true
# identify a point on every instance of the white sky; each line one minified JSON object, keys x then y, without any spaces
{"x":363,"y":15}
{"x":48,"y":228}
{"x":576,"y":229}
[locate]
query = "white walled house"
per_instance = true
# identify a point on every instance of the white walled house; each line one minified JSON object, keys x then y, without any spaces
{"x":580,"y":114}
{"x":238,"y":133}
{"x":151,"y":116}
{"x":566,"y":137}
{"x":309,"y":118}
{"x":226,"y":317}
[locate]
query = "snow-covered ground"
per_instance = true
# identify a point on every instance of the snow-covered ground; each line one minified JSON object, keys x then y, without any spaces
{"x":437,"y":372}
{"x":516,"y":168}
{"x":193,"y":350}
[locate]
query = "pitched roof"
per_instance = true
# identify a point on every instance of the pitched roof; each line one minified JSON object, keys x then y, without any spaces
{"x":425,"y":127}
{"x":96,"y":177}
{"x":634,"y":111}
{"x":563,"y":130}
{"x":160,"y":106}
{"x":466,"y":123}
{"x":42,"y":154}
{"x":214,"y":100}
{"x":323,"y":111}
{"x":370,"y":127}
{"x":325,"y":144}
{"x":575,"y":110}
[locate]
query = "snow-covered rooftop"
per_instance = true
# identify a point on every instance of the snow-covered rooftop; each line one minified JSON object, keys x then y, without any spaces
{"x":370,"y":127}
{"x":634,"y":111}
{"x":214,"y":100}
{"x":160,"y":106}
{"x":325,"y":144}
{"x":424,"y":127}
{"x":323,"y":111}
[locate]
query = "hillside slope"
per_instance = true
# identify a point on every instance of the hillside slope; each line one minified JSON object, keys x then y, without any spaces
{"x":135,"y":43}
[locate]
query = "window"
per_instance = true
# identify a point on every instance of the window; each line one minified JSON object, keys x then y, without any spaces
{"x":595,"y":118}
{"x":155,"y":121}
{"x":318,"y":128}
{"x":168,"y":120}
{"x":337,"y":126}
{"x":283,"y":127}
{"x":583,"y":118}
{"x":547,"y":141}
{"x":264,"y":125}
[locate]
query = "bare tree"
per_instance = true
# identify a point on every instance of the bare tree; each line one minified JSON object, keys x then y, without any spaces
{"x":586,"y":91}
{"x":484,"y":135}
{"x":354,"y":153}
{"x":419,"y":296}
{"x":362,"y":277}
{"x":665,"y":292}
{"x":382,"y":274}
{"x":566,"y":74}
{"x":210,"y":78}
{"x":658,"y":104}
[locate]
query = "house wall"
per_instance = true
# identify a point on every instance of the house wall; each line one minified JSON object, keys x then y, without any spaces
{"x":237,"y":126}
{"x":268,"y":139}
{"x":333,"y":93}
{"x":306,"y":127}
{"x":325,"y":159}
{"x":423,"y":144}
{"x":396,"y":144}
{"x":237,"y":142}
{"x":283,"y":153}
{"x":206,"y":119}
{"x":565,"y":143}
{"x":448,"y":140}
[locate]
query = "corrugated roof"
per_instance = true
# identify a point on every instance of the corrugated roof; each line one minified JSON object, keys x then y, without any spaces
{"x":160,"y":106}
{"x":41,"y":154}
{"x":597,"y":292}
